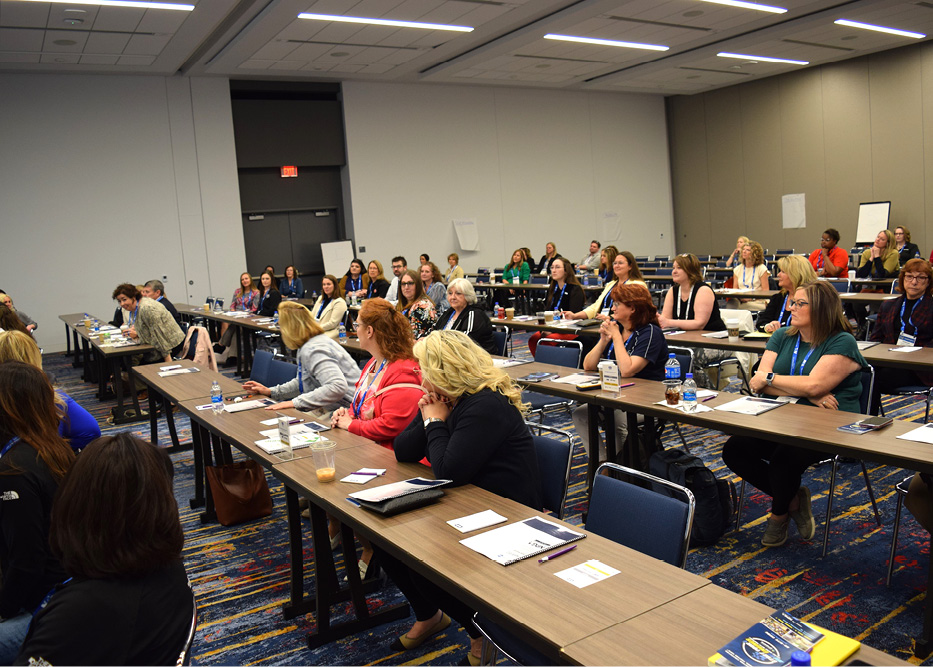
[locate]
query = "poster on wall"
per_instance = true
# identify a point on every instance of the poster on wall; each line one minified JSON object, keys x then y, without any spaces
{"x":873,"y":216}
{"x":612,"y":226}
{"x":337,"y":256}
{"x":467,"y":233}
{"x":795,"y":211}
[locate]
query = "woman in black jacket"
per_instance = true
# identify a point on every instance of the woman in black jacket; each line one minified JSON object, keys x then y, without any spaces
{"x":269,"y":296}
{"x":464,"y":315}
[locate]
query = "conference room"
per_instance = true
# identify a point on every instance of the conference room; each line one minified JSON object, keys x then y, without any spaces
{"x":154,"y":147}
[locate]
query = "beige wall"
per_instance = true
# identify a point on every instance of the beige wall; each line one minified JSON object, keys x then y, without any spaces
{"x":856,"y":131}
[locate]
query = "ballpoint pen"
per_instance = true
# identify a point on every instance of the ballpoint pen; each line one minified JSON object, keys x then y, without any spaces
{"x":708,"y":398}
{"x":556,"y":554}
{"x":623,"y":386}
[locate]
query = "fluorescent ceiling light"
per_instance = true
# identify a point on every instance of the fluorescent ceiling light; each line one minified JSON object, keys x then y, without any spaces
{"x":396,"y":24}
{"x":122,"y":3}
{"x":880,"y":28}
{"x":749,"y":5}
{"x":765,"y":59}
{"x":607,"y":42}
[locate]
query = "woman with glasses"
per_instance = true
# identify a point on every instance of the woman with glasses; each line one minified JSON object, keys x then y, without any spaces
{"x":794,"y":271}
{"x":906,"y":250}
{"x":564,"y":292}
{"x":414,"y":304}
{"x":471,"y":429}
{"x":464,"y":315}
{"x":817,"y":361}
{"x":906,"y":320}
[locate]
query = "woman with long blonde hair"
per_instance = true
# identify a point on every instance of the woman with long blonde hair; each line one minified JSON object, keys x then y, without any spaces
{"x":471,"y":429}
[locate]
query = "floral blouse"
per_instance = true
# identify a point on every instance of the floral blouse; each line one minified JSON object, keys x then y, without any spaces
{"x":422,"y":315}
{"x":243,"y":301}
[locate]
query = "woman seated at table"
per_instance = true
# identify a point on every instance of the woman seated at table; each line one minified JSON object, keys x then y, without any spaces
{"x":795,"y":271}
{"x":751,"y":274}
{"x":881,"y":259}
{"x":516,"y":272}
{"x":606,"y":257}
{"x":245,"y":299}
{"x":829,"y":259}
{"x":906,"y":250}
{"x":735,"y":259}
{"x":454,"y":272}
{"x":128,"y":601}
{"x":414,"y":304}
{"x":563,"y":293}
{"x":464,"y":315}
{"x":816,"y":360}
{"x":355,"y":283}
{"x":632,"y":339}
{"x":330,"y":308}
{"x":626,"y":272}
{"x":150,"y":323}
{"x":9,"y":321}
{"x":550,"y":254}
{"x":433,"y":287}
{"x":471,"y":429}
{"x":378,"y":285}
{"x":269,"y":297}
{"x":906,"y":320}
{"x":326,"y":373}
{"x":291,"y":285}
{"x":33,"y":460}
{"x":691,"y":305}
{"x":76,"y":424}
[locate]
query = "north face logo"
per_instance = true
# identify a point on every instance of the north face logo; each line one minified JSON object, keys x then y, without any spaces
{"x":9,"y":495}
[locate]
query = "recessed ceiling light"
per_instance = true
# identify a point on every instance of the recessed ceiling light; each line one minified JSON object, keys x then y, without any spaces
{"x":64,"y":42}
{"x":880,"y":28}
{"x":766,"y":59}
{"x":693,"y":76}
{"x":72,"y":21}
{"x":542,"y":66}
{"x":121,"y":3}
{"x":396,"y":24}
{"x":339,"y":54}
{"x":607,"y":42}
{"x":692,"y":13}
{"x":748,"y":5}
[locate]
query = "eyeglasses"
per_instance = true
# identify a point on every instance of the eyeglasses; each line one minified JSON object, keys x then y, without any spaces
{"x":408,"y":284}
{"x":356,"y":325}
{"x":798,"y":304}
{"x":916,"y":279}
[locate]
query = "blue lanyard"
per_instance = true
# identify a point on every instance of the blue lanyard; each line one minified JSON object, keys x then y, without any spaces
{"x":784,"y":312}
{"x":134,"y":315}
{"x":793,"y":361}
{"x":265,"y":295}
{"x":557,"y":305}
{"x":355,"y":285}
{"x":745,"y":284}
{"x":360,"y":400}
{"x":372,"y":288}
{"x":9,"y":445}
{"x":320,"y":310}
{"x":821,"y":260}
{"x":301,"y":380}
{"x":607,"y":299}
{"x":910,"y":318}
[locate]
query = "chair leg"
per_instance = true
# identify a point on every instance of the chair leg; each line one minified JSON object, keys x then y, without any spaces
{"x":682,"y":438}
{"x":741,"y":505}
{"x":897,"y":527}
{"x":871,"y":493}
{"x":829,"y":504}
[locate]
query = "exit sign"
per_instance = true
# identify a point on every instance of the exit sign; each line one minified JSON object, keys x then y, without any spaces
{"x":289,"y":172}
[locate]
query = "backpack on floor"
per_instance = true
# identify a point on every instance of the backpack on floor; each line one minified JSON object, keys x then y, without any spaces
{"x":715,"y":498}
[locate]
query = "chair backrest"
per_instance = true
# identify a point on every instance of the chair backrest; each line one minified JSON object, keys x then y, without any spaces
{"x":538,"y":279}
{"x":559,"y":352}
{"x":704,"y":258}
{"x":784,"y":251}
{"x":262,"y":363}
{"x":842,"y":286}
{"x":664,"y":271}
{"x":281,"y":372}
{"x":184,"y":656}
{"x":721,"y":264}
{"x":639,"y":518}
{"x":641,"y":258}
{"x":745,"y":318}
{"x":868,"y":382}
{"x":662,"y":258}
{"x":503,"y":342}
{"x":684,"y":356}
{"x":554,"y":458}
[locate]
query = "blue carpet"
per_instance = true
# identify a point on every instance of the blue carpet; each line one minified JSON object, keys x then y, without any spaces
{"x":240,"y":574}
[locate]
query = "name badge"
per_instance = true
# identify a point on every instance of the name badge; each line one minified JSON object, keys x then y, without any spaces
{"x":906,"y":340}
{"x":605,"y":311}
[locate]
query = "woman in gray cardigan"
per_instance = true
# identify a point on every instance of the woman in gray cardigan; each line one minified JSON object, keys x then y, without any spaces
{"x":326,"y":376}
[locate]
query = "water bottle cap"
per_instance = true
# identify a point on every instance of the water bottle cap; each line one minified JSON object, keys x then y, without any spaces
{"x":672,"y":355}
{"x":689,"y":376}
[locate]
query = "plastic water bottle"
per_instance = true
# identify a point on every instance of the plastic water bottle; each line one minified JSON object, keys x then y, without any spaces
{"x":672,"y":368}
{"x":314,"y":295}
{"x":556,"y":315}
{"x":341,"y":334}
{"x":689,"y":393}
{"x":275,"y":318}
{"x":217,"y":398}
{"x":586,"y":279}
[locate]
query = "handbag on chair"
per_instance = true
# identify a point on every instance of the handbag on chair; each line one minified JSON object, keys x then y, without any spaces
{"x":240,"y":492}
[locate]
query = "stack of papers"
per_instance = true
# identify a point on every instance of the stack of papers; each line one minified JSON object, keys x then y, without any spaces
{"x":748,"y":405}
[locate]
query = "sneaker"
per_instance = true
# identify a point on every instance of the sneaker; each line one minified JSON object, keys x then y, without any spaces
{"x":803,"y":515}
{"x":775,"y":533}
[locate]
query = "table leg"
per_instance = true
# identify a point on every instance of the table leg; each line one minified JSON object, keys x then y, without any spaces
{"x":173,"y":434}
{"x":153,"y":416}
{"x":240,"y":352}
{"x":610,"y":430}
{"x":79,"y":358}
{"x":209,"y":515}
{"x":296,"y":605}
{"x":248,"y":354}
{"x":120,"y":417}
{"x":923,"y":647}
{"x":197,"y":445}
{"x":67,"y":340}
{"x":592,"y":414}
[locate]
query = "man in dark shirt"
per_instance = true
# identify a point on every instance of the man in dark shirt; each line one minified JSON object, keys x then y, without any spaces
{"x":155,"y":290}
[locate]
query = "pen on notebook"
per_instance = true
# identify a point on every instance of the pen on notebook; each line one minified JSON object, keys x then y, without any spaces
{"x":708,"y":398}
{"x":295,"y":421}
{"x":623,"y":386}
{"x":557,"y":553}
{"x":368,"y":474}
{"x":761,"y":400}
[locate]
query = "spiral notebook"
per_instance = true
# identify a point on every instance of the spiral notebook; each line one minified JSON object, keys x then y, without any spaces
{"x":518,"y":541}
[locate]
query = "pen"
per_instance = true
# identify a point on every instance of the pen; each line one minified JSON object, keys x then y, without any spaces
{"x":708,"y":398}
{"x":556,"y":554}
{"x":762,"y":400}
{"x":369,"y":474}
{"x":623,"y":386}
{"x":295,"y":421}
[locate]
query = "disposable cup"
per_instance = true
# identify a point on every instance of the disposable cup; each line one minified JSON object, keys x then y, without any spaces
{"x":324,"y":454}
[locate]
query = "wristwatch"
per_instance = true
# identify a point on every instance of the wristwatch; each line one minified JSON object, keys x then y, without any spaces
{"x":769,"y":378}
{"x":430,"y":420}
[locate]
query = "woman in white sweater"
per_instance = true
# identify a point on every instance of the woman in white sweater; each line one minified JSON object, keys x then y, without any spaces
{"x":330,"y":308}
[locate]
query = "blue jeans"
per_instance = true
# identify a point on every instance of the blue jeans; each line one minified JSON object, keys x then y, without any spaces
{"x":12,"y":633}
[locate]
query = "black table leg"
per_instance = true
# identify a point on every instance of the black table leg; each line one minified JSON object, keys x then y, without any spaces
{"x":154,"y":397}
{"x":592,"y":414}
{"x":198,"y":500}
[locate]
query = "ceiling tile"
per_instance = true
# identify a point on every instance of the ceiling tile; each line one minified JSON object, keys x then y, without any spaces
{"x":136,"y":60}
{"x":106,"y":43}
{"x":13,"y":39}
{"x":24,"y":14}
{"x":99,"y":60}
{"x":146,"y":45}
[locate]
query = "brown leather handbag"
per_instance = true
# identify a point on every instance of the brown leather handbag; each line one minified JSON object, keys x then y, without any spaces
{"x":240,"y":492}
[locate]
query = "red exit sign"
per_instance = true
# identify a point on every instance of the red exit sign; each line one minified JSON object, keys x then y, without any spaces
{"x":289,"y":172}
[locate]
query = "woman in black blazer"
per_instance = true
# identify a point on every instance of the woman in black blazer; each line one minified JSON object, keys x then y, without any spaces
{"x":269,"y":296}
{"x":464,"y":315}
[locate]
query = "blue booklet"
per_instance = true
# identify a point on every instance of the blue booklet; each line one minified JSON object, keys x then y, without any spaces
{"x":768,"y":643}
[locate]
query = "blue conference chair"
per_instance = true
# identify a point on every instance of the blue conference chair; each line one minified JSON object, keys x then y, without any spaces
{"x":503,"y":340}
{"x":554,"y":457}
{"x":262,"y":365}
{"x":281,"y":372}
{"x":559,"y":353}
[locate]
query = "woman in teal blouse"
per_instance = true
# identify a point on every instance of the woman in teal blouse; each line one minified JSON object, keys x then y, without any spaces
{"x":517,"y":272}
{"x":817,"y":361}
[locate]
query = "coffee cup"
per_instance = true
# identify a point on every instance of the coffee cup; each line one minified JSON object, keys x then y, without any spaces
{"x":509,"y":313}
{"x":732,"y":326}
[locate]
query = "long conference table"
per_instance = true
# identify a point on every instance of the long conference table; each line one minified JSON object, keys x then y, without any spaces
{"x":570,"y":625}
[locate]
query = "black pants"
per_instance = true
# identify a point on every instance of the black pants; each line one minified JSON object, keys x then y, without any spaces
{"x":888,"y":380}
{"x":424,"y":597}
{"x":769,"y":467}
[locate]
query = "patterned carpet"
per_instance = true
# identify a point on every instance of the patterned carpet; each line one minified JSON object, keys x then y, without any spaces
{"x":240,"y":574}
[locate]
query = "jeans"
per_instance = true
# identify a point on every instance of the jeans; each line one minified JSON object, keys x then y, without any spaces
{"x":12,"y":633}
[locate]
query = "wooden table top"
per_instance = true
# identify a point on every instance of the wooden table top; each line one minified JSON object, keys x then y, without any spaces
{"x":705,"y":620}
{"x":187,"y":385}
{"x":524,"y":597}
{"x":75,"y":322}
